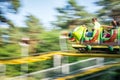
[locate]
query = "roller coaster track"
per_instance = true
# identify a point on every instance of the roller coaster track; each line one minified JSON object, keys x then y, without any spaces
{"x":83,"y":72}
{"x":47,"y":56}
{"x":90,"y":71}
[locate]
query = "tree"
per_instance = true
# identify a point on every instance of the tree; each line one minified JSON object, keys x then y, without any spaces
{"x":34,"y":29}
{"x":8,"y":6}
{"x":34,"y":24}
{"x":49,"y":42}
{"x":107,"y":6}
{"x":72,"y":13}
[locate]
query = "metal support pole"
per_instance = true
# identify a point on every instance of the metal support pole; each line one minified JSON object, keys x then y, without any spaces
{"x":57,"y":62}
{"x":100,"y":61}
{"x":2,"y":71}
{"x":64,"y":47}
{"x":65,"y":69}
{"x":24,"y":53}
{"x":63,"y":42}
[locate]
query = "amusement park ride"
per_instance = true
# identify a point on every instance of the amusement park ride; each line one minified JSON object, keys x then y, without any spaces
{"x":97,"y":41}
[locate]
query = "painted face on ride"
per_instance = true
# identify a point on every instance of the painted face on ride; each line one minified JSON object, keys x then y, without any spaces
{"x":70,"y":35}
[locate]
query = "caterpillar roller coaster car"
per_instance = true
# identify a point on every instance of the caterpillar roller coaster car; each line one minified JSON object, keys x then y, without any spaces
{"x":97,"y":41}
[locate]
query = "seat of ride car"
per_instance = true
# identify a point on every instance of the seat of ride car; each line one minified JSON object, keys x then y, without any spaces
{"x":90,"y":35}
{"x":107,"y":32}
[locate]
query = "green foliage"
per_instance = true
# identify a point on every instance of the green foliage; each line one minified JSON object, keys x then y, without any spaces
{"x":10,"y":50}
{"x":71,"y":14}
{"x":37,"y":66}
{"x":13,"y":70}
{"x":33,"y":24}
{"x":34,"y":27}
{"x":49,"y":41}
{"x":17,"y":33}
{"x":15,"y":4}
{"x":73,"y":58}
{"x":107,"y":6}
{"x":16,"y":70}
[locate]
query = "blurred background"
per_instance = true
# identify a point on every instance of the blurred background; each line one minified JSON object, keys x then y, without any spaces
{"x":39,"y":23}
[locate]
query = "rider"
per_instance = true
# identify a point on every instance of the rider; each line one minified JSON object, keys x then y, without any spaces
{"x":114,"y":23}
{"x":96,"y":23}
{"x":96,"y":26}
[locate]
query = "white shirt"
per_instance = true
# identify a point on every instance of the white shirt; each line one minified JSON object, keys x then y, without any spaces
{"x":97,"y":25}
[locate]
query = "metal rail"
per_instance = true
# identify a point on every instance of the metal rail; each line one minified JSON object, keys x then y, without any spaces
{"x":83,"y":70}
{"x":49,"y":55}
{"x":90,"y":71}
